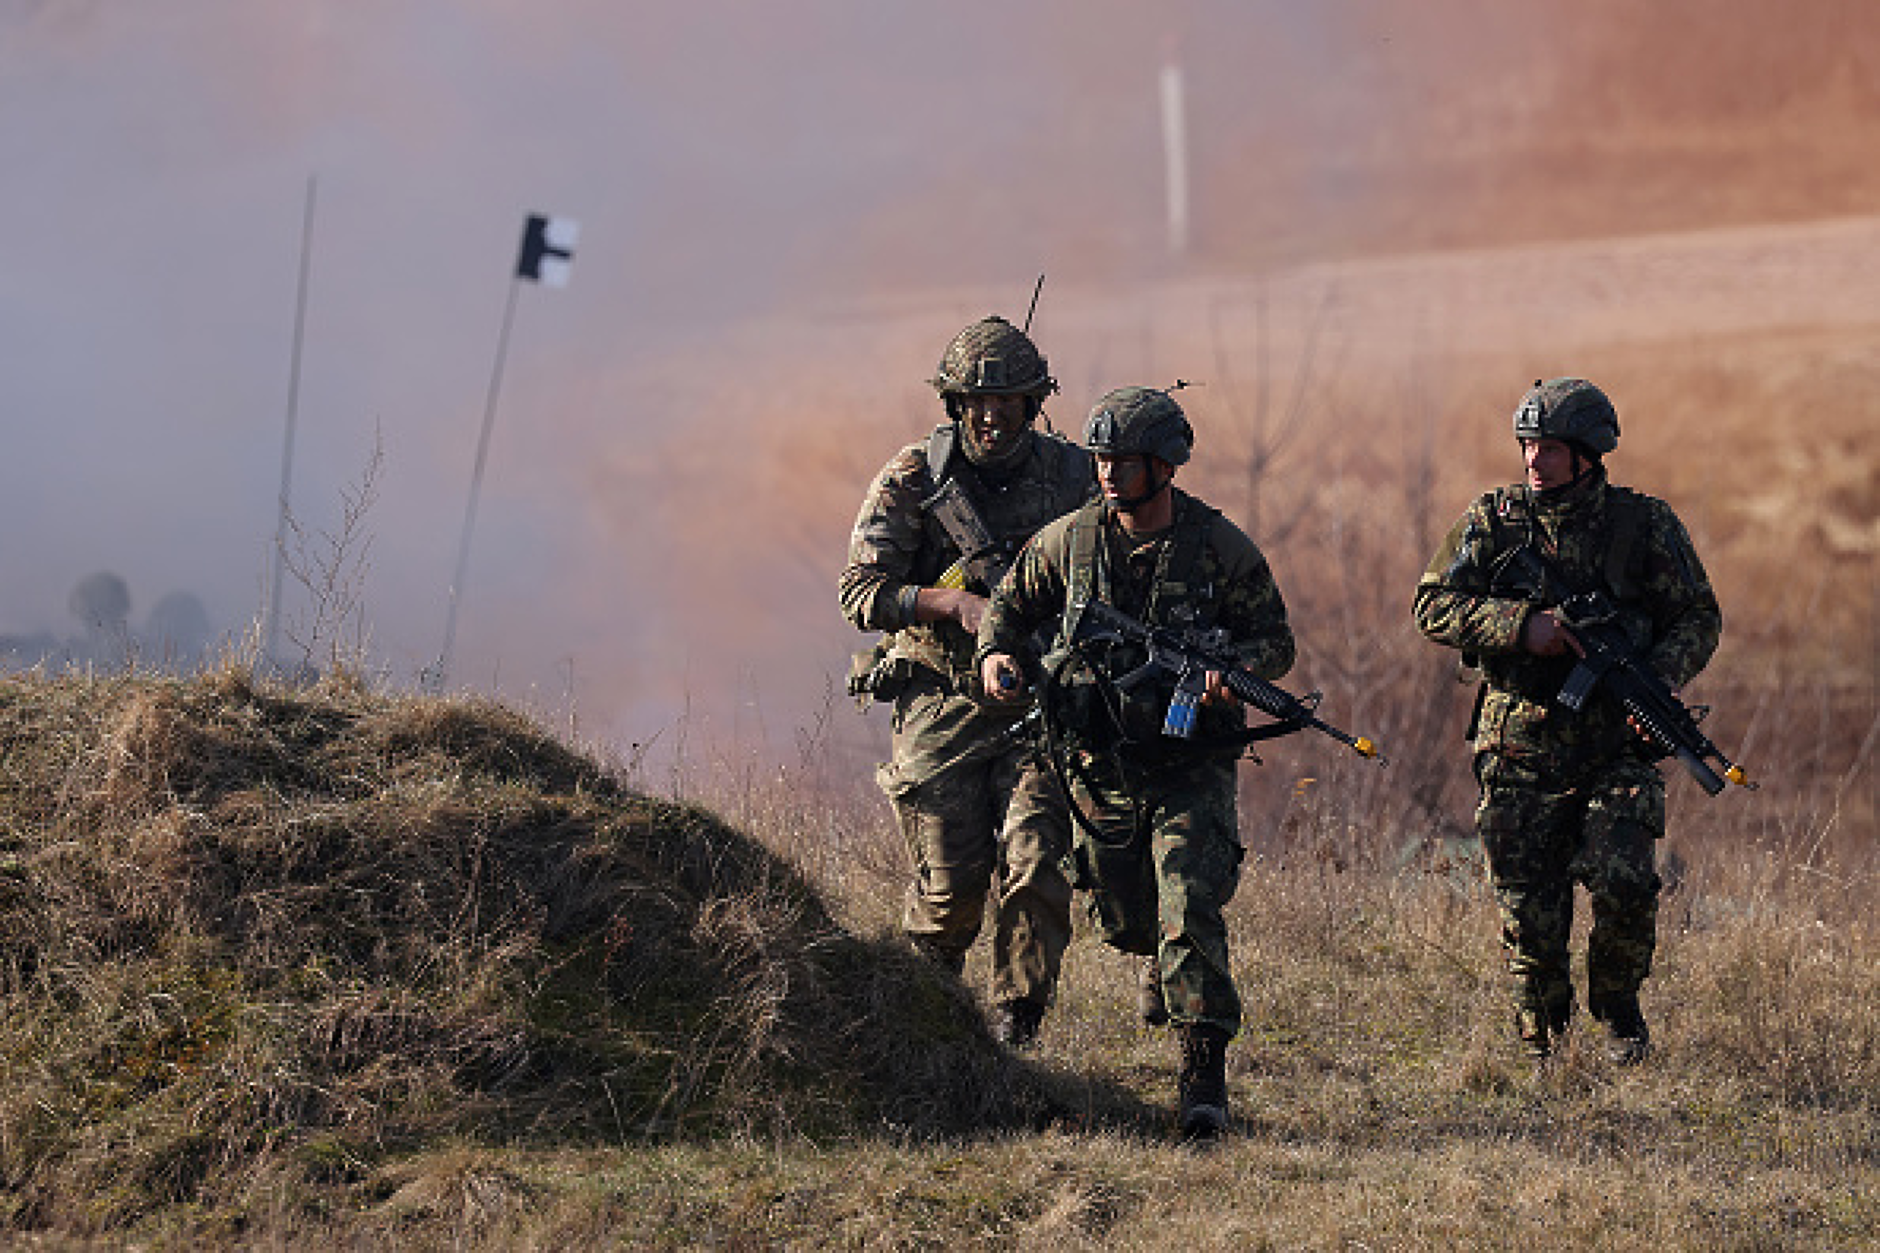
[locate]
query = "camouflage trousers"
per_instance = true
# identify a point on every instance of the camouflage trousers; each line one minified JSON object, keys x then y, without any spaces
{"x":1542,"y":836}
{"x":951,"y":782}
{"x":1160,"y":868}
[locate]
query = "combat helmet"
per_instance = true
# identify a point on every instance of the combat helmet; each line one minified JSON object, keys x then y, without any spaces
{"x":1572,"y":411}
{"x":993,"y":358}
{"x":1142,"y":420}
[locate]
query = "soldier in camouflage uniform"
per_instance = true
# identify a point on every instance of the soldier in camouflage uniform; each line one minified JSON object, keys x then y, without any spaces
{"x":953,"y":767}
{"x":1566,"y":796}
{"x":1158,"y":848}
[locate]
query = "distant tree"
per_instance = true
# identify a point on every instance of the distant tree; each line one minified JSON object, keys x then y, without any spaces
{"x":177,"y":633}
{"x":102,"y":604}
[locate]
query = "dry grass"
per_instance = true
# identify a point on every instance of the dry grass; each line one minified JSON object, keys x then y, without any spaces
{"x":260,"y":942}
{"x":294,"y":967}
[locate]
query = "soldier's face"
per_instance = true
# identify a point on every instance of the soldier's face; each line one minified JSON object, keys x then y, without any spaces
{"x":993,"y":423}
{"x":1122,"y":478}
{"x":1549,"y":463}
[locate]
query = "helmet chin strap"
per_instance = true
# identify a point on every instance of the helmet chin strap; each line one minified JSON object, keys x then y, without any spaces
{"x":1129,"y":503}
{"x":1584,"y":467}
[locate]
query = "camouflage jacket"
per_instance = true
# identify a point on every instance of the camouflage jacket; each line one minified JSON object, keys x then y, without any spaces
{"x":898,"y":547}
{"x":1600,"y":536}
{"x":1229,"y":586}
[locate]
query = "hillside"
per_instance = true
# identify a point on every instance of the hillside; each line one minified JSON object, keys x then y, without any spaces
{"x":255,"y":939}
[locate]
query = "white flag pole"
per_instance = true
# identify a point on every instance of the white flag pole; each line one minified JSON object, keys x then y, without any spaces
{"x":273,"y":635}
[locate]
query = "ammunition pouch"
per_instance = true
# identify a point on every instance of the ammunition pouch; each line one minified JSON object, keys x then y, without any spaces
{"x":881,"y":674}
{"x":877,"y":674}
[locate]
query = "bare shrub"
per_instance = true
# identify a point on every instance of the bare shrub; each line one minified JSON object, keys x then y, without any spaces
{"x":330,"y":566}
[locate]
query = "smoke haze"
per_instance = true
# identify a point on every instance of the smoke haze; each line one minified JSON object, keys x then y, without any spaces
{"x":786,"y":211}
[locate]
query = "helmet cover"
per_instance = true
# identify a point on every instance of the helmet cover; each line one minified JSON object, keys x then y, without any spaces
{"x":1570,"y":410}
{"x":993,"y":358}
{"x":1139,"y":420}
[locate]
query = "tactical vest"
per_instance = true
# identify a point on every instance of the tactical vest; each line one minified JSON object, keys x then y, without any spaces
{"x":1177,"y":600}
{"x":1174,"y":599}
{"x":1518,"y":681}
{"x":1013,"y":510}
{"x":1625,"y":519}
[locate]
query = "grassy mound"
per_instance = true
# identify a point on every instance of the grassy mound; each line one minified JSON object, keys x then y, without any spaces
{"x":253,"y":936}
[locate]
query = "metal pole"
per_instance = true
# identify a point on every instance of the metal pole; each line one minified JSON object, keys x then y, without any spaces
{"x":287,"y":446}
{"x":435,"y":678}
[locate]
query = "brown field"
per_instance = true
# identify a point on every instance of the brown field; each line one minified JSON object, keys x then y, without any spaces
{"x":449,"y":1038}
{"x":1714,"y":266}
{"x":1395,"y":233}
{"x":1375,"y":398}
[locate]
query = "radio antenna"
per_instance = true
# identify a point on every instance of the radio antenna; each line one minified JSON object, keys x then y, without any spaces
{"x":1034,"y":304}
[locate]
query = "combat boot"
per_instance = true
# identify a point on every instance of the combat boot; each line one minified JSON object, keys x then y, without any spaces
{"x":1559,"y":1018}
{"x":1150,"y":1006}
{"x":1543,"y":1029}
{"x":1203,"y":1083}
{"x":1532,"y":1025}
{"x":1015,"y":1022}
{"x":1628,"y":1039}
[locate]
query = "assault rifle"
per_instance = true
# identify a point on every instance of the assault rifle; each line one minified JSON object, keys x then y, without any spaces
{"x":1188,"y":656}
{"x":1610,"y":659}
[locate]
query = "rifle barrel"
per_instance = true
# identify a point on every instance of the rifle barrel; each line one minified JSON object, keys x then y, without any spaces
{"x":1267,"y":697}
{"x":1613,"y":662}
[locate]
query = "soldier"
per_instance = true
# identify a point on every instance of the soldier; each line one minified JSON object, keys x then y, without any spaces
{"x":1569,"y":797}
{"x":938,"y":526}
{"x":1156,"y":842}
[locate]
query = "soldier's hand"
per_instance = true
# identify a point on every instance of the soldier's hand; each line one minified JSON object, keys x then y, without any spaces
{"x":970,"y":611}
{"x":1544,"y":635}
{"x":956,"y":604}
{"x":1000,"y":675}
{"x":1217,"y":692}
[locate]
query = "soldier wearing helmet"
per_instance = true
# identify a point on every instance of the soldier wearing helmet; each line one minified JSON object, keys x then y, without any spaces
{"x":1569,"y":797}
{"x":936,"y":529}
{"x":1155,"y":844}
{"x":993,"y":382}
